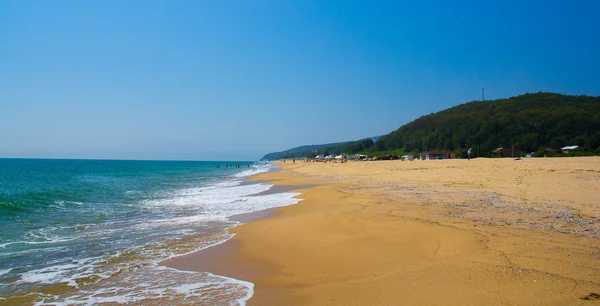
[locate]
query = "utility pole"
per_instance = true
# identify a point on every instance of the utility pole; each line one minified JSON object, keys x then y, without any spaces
{"x":482,"y":94}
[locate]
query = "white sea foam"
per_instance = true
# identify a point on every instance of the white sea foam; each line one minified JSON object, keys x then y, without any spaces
{"x":49,"y":275}
{"x":50,"y":241}
{"x":60,"y":204}
{"x":126,"y":281}
{"x":209,"y":195}
{"x":29,"y":251}
{"x":5,"y":271}
{"x":69,"y":272}
{"x":126,"y":285}
{"x":255,"y":169}
{"x":153,"y":284}
{"x":220,"y":203}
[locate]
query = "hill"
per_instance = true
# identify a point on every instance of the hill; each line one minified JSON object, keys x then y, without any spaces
{"x":529,"y":122}
{"x":326,"y":149}
{"x":306,"y":151}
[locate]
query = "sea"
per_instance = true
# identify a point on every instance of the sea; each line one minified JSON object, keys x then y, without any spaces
{"x":89,"y":232}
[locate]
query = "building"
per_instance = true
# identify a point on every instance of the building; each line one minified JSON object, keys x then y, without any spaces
{"x":567,"y":149}
{"x":507,"y":152}
{"x":437,"y":154}
{"x":408,"y":157}
{"x":387,"y":157}
{"x":550,"y":150}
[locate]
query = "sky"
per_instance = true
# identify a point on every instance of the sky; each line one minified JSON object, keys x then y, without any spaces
{"x":234,"y":80}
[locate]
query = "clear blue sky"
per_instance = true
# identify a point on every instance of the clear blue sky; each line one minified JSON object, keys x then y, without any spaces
{"x":234,"y":80}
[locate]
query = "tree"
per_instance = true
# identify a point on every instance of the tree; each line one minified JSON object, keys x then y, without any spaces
{"x":528,"y":121}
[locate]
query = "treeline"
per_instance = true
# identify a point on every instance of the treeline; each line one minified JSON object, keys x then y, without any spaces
{"x":530,"y":122}
{"x":307,"y":151}
{"x":358,"y":146}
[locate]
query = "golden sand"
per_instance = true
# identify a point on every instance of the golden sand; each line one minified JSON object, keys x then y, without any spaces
{"x":443,"y":232}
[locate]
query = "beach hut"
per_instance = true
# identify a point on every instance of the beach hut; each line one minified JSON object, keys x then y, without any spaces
{"x":386,"y":157}
{"x":550,"y":150}
{"x":437,"y":154}
{"x":361,"y":157}
{"x":507,"y":152}
{"x":408,"y":157}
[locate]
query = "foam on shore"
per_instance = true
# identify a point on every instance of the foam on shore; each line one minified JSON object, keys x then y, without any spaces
{"x":133,"y":274}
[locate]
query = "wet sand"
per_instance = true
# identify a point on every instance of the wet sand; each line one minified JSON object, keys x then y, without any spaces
{"x":280,"y":189}
{"x":485,"y":231}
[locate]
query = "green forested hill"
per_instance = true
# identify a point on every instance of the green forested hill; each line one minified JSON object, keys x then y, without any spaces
{"x":306,"y":151}
{"x":325,"y":149}
{"x":529,"y":121}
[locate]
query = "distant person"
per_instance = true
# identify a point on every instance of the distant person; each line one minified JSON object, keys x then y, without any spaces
{"x":469,"y":154}
{"x":293,"y":161}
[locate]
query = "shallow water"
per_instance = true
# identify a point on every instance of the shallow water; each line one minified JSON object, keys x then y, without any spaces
{"x":90,"y":232}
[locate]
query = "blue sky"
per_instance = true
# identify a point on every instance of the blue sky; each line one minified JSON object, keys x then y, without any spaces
{"x":234,"y":80}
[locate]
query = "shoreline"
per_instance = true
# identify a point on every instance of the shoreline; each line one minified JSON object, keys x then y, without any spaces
{"x":109,"y":252}
{"x":213,"y":258}
{"x":422,"y":232}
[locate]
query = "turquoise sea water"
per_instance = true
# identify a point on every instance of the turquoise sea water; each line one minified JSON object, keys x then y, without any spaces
{"x":92,"y":231}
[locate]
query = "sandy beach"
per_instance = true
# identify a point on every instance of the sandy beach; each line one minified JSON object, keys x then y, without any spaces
{"x":439,"y":232}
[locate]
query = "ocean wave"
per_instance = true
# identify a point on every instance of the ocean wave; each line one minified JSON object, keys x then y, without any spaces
{"x":158,"y":283}
{"x":255,"y":169}
{"x":5,"y":271}
{"x":126,"y":236}
{"x":214,"y":203}
{"x":51,"y":241}
{"x":70,"y":271}
{"x":213,"y":195}
{"x":49,"y":275}
{"x":12,"y":254}
{"x":12,"y":207}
